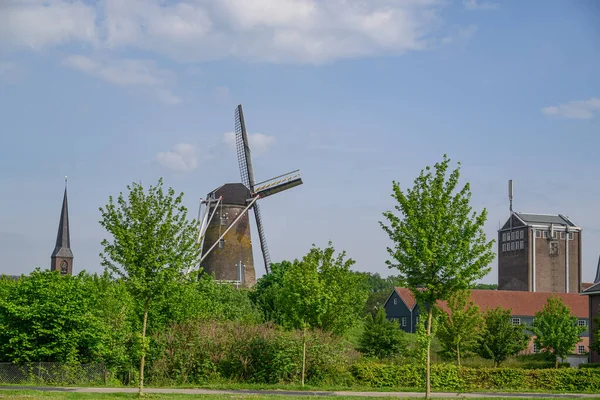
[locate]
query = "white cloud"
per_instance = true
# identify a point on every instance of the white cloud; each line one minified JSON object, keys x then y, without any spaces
{"x":182,"y":159}
{"x":298,"y":31}
{"x":127,"y":73}
{"x":479,"y":5}
{"x":583,"y":109}
{"x":36,"y":24}
{"x":259,"y":142}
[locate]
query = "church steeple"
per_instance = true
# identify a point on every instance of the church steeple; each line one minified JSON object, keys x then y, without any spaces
{"x":62,"y":256}
{"x":597,"y":279}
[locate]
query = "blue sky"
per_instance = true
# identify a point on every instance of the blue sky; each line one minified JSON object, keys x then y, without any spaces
{"x":354,"y":93}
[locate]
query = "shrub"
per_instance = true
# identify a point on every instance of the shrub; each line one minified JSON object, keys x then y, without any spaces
{"x":450,"y":377}
{"x":198,"y":351}
{"x":589,"y":365}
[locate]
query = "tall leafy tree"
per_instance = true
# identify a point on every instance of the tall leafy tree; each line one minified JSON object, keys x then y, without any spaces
{"x":152,"y":243}
{"x":556,"y":330}
{"x":382,"y":337}
{"x":320,"y":291}
{"x":266,"y":292}
{"x":49,"y":317}
{"x":595,"y":345}
{"x":500,"y":338}
{"x":458,"y":330}
{"x":439,"y":244}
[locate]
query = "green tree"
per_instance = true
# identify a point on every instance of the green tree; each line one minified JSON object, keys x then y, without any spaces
{"x":267,"y":291}
{"x":439,"y":243}
{"x":500,"y":338}
{"x":458,"y":330}
{"x":49,"y":317}
{"x":486,"y":286}
{"x":381,"y":337}
{"x":320,"y":291}
{"x":556,"y":330}
{"x":153,"y":242}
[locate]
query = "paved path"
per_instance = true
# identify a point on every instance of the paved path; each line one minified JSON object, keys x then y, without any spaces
{"x":303,"y":393}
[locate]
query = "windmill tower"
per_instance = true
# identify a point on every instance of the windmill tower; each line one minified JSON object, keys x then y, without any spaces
{"x":225,"y":225}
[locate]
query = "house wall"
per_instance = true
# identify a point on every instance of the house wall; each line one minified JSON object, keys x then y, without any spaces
{"x":396,"y":309}
{"x":594,"y":300}
{"x":550,"y":269}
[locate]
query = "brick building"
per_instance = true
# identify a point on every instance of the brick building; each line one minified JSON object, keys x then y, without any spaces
{"x":402,"y":306}
{"x":539,"y":253}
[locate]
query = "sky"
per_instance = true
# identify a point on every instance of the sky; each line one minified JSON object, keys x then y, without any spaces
{"x":356,"y":94}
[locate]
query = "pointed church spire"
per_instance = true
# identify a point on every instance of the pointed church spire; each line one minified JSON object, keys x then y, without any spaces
{"x":597,"y":280}
{"x":62,"y":256}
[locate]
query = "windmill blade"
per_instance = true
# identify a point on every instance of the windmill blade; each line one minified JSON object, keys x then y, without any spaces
{"x":243,"y":149}
{"x":263,"y":239}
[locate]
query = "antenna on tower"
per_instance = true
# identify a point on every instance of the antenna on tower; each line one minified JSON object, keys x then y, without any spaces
{"x":510,"y":194}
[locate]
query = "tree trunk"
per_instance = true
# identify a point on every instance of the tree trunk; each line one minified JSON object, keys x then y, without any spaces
{"x":458,"y":354}
{"x":556,"y":363}
{"x":428,"y":363}
{"x":303,"y":354}
{"x":143,"y":360}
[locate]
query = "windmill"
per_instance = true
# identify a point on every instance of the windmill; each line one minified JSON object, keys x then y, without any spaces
{"x":225,"y":224}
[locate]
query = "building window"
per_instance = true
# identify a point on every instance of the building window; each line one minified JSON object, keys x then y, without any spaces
{"x":403,"y":321}
{"x":562,"y":235}
{"x":553,"y":251}
{"x":223,"y":219}
{"x":522,"y":244}
{"x":545,"y":235}
{"x":504,"y":237}
{"x":503,"y":246}
{"x":538,"y":234}
{"x":580,"y":349}
{"x":516,"y":321}
{"x":512,"y":245}
{"x":221,"y":243}
{"x":536,"y":348}
{"x":582,"y":322}
{"x":554,"y":235}
{"x":395,"y":301}
{"x":521,"y":234}
{"x":570,"y":235}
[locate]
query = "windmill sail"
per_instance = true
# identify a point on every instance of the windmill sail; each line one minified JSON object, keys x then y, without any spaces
{"x":243,"y":149}
{"x":247,"y":175}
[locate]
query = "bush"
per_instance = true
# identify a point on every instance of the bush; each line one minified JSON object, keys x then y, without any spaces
{"x":198,"y":351}
{"x":589,"y":365}
{"x":450,"y":377}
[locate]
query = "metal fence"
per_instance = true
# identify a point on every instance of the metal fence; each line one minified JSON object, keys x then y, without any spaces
{"x":49,"y":373}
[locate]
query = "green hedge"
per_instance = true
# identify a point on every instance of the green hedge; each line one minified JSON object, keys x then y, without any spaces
{"x":589,"y":365}
{"x":450,"y":377}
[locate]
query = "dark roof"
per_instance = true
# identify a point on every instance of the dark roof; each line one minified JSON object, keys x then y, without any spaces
{"x":63,"y":238}
{"x":524,"y":304}
{"x":597,"y":279}
{"x":232,"y":193}
{"x":593,"y":289}
{"x":545,"y":219}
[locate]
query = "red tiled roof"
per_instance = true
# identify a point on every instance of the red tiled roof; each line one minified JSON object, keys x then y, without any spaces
{"x":586,"y":285}
{"x":522,"y":303}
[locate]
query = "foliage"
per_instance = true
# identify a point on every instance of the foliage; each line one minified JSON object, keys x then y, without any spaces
{"x":267,"y":291}
{"x":381,"y":337}
{"x":49,"y":317}
{"x":486,"y":286}
{"x":459,"y":329}
{"x":439,"y":244}
{"x":200,"y":351}
{"x":379,"y":290}
{"x":556,"y":329}
{"x":451,"y":377}
{"x":153,"y":243}
{"x":499,"y":338}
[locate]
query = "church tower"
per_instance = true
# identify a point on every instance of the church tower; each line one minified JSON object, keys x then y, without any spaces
{"x":62,"y":256}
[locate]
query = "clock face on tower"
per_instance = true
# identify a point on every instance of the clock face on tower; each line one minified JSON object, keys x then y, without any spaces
{"x":63,"y":268}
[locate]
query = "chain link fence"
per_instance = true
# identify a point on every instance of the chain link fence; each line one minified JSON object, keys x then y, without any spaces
{"x":49,"y":373}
